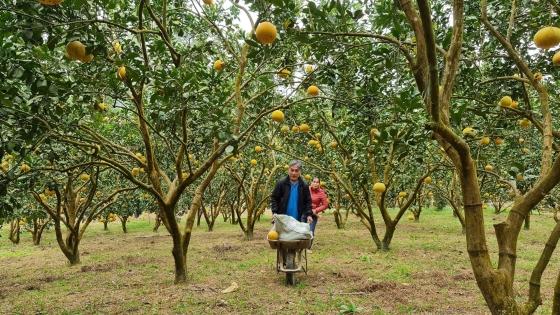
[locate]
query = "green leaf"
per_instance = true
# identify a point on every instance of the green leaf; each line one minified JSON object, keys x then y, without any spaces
{"x":229,"y":149}
{"x":252,"y":43}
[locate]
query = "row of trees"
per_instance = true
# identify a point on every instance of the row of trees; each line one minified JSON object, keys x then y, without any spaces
{"x":411,"y":95}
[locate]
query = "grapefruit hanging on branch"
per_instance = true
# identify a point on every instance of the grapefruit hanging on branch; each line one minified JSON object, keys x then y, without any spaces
{"x":266,"y":33}
{"x":547,"y":37}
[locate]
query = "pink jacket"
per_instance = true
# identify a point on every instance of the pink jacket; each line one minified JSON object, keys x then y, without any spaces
{"x":318,"y":200}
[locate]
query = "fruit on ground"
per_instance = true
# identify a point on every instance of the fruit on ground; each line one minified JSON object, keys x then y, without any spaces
{"x":284,"y":73}
{"x":485,"y":141}
{"x":547,"y":37}
{"x":76,"y":50}
{"x":266,"y":33}
{"x":506,"y":101}
{"x":304,"y":128}
{"x":272,"y":235}
{"x":84,"y":176}
{"x":277,"y":116}
{"x":313,"y":90}
{"x":379,"y":187}
{"x":219,"y":65}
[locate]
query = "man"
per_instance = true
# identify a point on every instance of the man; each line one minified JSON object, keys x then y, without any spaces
{"x":291,"y":195}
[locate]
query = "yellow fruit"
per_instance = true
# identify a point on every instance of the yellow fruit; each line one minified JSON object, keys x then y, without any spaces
{"x":318,"y":136}
{"x":347,"y":197}
{"x":105,"y":119}
{"x":253,"y":162}
{"x":485,"y":141}
{"x":526,"y":150}
{"x":313,"y":142}
{"x":411,"y":217}
{"x":524,"y":123}
{"x":98,"y":193}
{"x":286,"y":167}
{"x":556,"y":59}
{"x":84,"y":176}
{"x":147,"y":196}
{"x":87,"y":58}
{"x":295,"y":128}
{"x":121,"y":74}
{"x":521,"y":140}
{"x":308,"y":69}
{"x":488,"y":167}
{"x":484,"y":207}
{"x":379,"y":187}
{"x":143,"y":159}
{"x":284,"y":128}
{"x":373,"y":132}
{"x":307,"y":177}
{"x":547,"y":37}
{"x":135,"y":171}
{"x":498,"y":141}
{"x":323,"y":183}
{"x":25,"y":168}
{"x":219,"y":65}
{"x":519,"y":177}
{"x":118,"y":48}
{"x":333,"y":144}
{"x":278,"y":116}
{"x":76,"y":50}
{"x":304,"y":128}
{"x":272,"y":235}
{"x":266,"y":33}
{"x":469,"y":132}
{"x":21,"y":223}
{"x":101,"y":106}
{"x":514,"y":104}
{"x":207,"y":2}
{"x":486,"y":195}
{"x":537,"y":76}
{"x":402,"y":194}
{"x":49,"y":192}
{"x":284,"y":73}
{"x":427,"y":180}
{"x":313,"y":90}
{"x":430,"y":194}
{"x":82,"y":199}
{"x":258,"y":149}
{"x":506,"y":101}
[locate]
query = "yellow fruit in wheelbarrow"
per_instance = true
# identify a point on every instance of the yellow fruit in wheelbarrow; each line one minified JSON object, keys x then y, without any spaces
{"x":272,"y":235}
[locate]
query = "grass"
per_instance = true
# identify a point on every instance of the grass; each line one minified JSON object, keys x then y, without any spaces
{"x":427,"y":271}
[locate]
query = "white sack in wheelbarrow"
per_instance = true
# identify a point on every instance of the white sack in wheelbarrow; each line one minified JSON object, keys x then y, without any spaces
{"x":290,"y":229}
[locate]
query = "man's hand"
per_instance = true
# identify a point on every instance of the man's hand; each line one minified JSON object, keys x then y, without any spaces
{"x":309,"y":219}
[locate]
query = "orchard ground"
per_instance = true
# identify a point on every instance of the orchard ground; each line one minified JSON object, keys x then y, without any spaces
{"x":427,"y":271}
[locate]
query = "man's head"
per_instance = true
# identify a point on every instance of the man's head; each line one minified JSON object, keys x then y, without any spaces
{"x":295,"y":170}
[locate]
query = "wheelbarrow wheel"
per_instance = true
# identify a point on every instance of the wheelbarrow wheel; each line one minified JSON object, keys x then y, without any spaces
{"x":291,"y":264}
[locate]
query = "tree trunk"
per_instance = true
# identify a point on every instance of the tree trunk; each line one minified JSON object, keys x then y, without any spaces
{"x":14,"y":232}
{"x":157,"y":223}
{"x":123,"y":224}
{"x":527,"y":224}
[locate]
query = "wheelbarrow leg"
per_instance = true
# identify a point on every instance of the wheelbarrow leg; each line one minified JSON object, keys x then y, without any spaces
{"x":290,"y":264}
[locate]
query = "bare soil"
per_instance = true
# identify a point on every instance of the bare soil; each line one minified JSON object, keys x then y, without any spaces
{"x":427,"y":271}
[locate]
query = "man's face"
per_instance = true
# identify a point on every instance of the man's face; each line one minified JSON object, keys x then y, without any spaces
{"x":294,"y":173}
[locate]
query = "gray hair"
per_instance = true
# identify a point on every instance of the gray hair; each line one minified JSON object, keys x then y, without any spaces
{"x":296,"y":163}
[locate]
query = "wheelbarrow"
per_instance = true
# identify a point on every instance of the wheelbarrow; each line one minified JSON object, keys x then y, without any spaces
{"x":289,"y":257}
